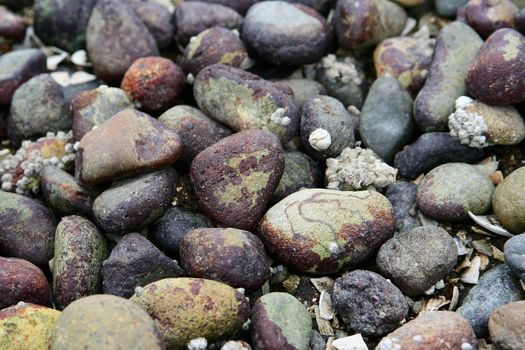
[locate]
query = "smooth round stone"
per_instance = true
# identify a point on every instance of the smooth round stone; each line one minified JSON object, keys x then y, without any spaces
{"x":432,"y":330}
{"x":184,"y":307}
{"x":368,"y":303}
{"x":323,"y":231}
{"x":134,"y":203}
{"x":515,"y":255}
{"x":80,"y":249}
{"x":277,"y":32}
{"x":240,"y":6}
{"x":416,"y":259}
{"x":509,"y":201}
{"x":449,"y":8}
{"x":133,"y":262}
{"x":221,"y":254}
{"x":402,"y":195}
{"x":507,"y":326}
{"x":22,"y":281}
{"x":27,"y":229}
{"x":101,"y":322}
{"x":450,"y":191}
{"x":12,"y":27}
{"x":168,"y":231}
{"x":495,"y":287}
{"x":280,"y":321}
{"x":27,"y":326}
{"x":157,"y":18}
{"x":486,"y":16}
{"x":303,"y":89}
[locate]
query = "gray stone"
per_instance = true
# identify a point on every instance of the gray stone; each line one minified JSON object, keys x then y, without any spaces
{"x":402,"y":195}
{"x":449,"y":8}
{"x":515,"y":255}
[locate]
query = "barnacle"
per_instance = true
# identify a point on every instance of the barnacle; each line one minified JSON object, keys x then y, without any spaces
{"x":341,"y":71}
{"x":468,"y":126}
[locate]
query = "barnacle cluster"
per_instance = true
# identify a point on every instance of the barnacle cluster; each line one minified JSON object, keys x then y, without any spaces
{"x":341,"y":71}
{"x":20,"y":172}
{"x":467,"y":125}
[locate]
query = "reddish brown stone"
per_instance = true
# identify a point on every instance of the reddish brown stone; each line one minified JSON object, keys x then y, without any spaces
{"x":487,"y":16}
{"x":11,"y":26}
{"x":507,"y":326}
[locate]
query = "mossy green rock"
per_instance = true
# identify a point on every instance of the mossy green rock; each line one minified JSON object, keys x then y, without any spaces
{"x":280,"y":321}
{"x":188,"y":308}
{"x":80,"y":249}
{"x":26,"y":326}
{"x":323,"y":231}
{"x":509,"y":201}
{"x":105,"y":322}
{"x":450,"y":191}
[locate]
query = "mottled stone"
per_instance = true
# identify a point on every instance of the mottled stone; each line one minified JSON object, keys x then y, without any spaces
{"x":115,"y":38}
{"x":497,"y":75}
{"x":509,"y":201}
{"x":134,"y":262}
{"x":102,"y":322}
{"x":234,"y":179}
{"x":495,"y":288}
{"x":126,"y":144}
{"x":80,"y":249}
{"x":507,"y":326}
{"x":486,"y":16}
{"x":402,"y":195}
{"x":450,"y":191}
{"x":195,"y":130}
{"x":157,"y":18}
{"x":156,"y":83}
{"x":240,"y":6}
{"x":134,"y":203}
{"x":12,"y":27}
{"x":168,"y":231}
{"x":93,"y":107}
{"x":303,"y":89}
{"x":515,"y":255}
{"x":456,"y":48}
{"x":443,"y":330}
{"x":280,"y":321}
{"x":62,"y":23}
{"x":242,"y":100}
{"x":221,"y":254}
{"x":323,"y":231}
{"x":416,"y":259}
{"x":433,"y":149}
{"x":27,"y":326}
{"x":26,"y":229}
{"x":22,"y":281}
{"x":183,"y":308}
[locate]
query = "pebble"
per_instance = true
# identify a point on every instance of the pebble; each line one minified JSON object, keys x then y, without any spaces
{"x":168,"y":231}
{"x":157,"y":18}
{"x":155,"y":83}
{"x":126,"y":144}
{"x":402,"y":195}
{"x":183,"y":308}
{"x":133,"y":203}
{"x":242,"y":100}
{"x":450,"y":191}
{"x":515,"y":255}
{"x":509,"y":201}
{"x":495,"y":287}
{"x":455,"y":51}
{"x":280,"y":321}
{"x":386,"y":123}
{"x":277,"y":32}
{"x":27,"y":229}
{"x":27,"y":326}
{"x":416,"y":259}
{"x":432,"y":330}
{"x":195,"y":129}
{"x":102,"y":322}
{"x":12,"y":27}
{"x":220,"y":254}
{"x":433,"y":149}
{"x":93,"y":107}
{"x":234,"y":179}
{"x":507,"y":326}
{"x":326,"y":127}
{"x":497,"y":75}
{"x":449,"y":8}
{"x":303,"y":89}
{"x":368,"y":303}
{"x":80,"y":249}
{"x":486,"y":17}
{"x":240,"y":6}
{"x":135,"y":262}
{"x":115,"y":38}
{"x":21,"y":281}
{"x":323,"y":231}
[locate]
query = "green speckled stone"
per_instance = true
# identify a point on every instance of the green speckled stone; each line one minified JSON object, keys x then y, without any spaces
{"x":509,"y":201}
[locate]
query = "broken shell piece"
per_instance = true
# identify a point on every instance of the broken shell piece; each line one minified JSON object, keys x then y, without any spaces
{"x":324,"y":326}
{"x":322,"y":284}
{"x":425,"y":220}
{"x":55,"y":60}
{"x":484,"y":221}
{"x":454,"y":300}
{"x":353,"y":342}
{"x":198,"y":344}
{"x":482,"y":246}
{"x":471,"y":275}
{"x":498,"y":254}
{"x":326,"y":309}
{"x":434,"y":304}
{"x":80,"y":58}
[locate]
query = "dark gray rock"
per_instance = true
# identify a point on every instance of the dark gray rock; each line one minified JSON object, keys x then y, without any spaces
{"x":133,"y":262}
{"x":157,"y":18}
{"x":386,"y":123}
{"x":515,"y":255}
{"x":136,"y":202}
{"x":368,"y":303}
{"x":449,"y":8}
{"x":168,"y":231}
{"x":416,"y":259}
{"x":240,"y":6}
{"x":433,"y":149}
{"x":317,"y":342}
{"x":402,"y":195}
{"x":495,"y":288}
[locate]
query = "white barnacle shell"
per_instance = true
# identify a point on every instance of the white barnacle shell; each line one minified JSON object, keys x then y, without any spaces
{"x":320,"y":139}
